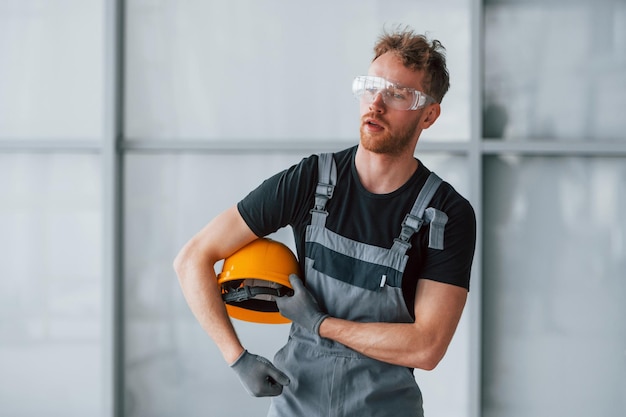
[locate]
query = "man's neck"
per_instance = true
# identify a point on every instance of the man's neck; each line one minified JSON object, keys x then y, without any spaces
{"x":382,"y":173}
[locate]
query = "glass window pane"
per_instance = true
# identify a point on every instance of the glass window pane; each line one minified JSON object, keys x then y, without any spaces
{"x":256,"y":70}
{"x":50,"y":291}
{"x":51,"y":69}
{"x":554,"y":291}
{"x":172,"y":367}
{"x":555,"y":70}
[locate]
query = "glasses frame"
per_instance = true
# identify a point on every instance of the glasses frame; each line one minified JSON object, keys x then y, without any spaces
{"x":420,"y":99}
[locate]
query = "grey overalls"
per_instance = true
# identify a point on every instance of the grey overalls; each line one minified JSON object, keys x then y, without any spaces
{"x":358,"y":282}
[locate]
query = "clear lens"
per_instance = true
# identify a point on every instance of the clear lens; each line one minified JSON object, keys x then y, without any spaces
{"x":367,"y":87}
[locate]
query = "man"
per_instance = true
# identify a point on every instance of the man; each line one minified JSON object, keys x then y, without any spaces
{"x":382,"y":295}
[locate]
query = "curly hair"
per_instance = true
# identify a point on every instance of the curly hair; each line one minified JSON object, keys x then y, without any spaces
{"x":418,"y":53}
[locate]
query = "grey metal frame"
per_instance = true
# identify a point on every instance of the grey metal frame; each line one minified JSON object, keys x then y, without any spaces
{"x":476,"y":181}
{"x":112,"y":177}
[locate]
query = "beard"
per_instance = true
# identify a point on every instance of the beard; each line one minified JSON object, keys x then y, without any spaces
{"x":388,"y":141}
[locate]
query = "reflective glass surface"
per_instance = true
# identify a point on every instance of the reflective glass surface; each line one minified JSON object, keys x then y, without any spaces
{"x":51,"y":69}
{"x":250,"y":70}
{"x":555,"y":70}
{"x":50,"y":285}
{"x":554,"y":295}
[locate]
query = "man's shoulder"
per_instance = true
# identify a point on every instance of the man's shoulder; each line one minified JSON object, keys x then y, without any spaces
{"x":447,"y":198}
{"x":340,"y":157}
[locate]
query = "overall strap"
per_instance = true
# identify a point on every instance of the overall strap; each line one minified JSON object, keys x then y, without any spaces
{"x":419,"y":214}
{"x":327,"y":178}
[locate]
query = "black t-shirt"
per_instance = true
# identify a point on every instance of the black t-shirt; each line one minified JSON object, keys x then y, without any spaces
{"x":286,"y":199}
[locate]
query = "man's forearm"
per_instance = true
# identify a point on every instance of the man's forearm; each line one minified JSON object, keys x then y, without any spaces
{"x":422,"y":344}
{"x":395,"y":343}
{"x":202,"y":294}
{"x":194,"y":266}
{"x":207,"y":306}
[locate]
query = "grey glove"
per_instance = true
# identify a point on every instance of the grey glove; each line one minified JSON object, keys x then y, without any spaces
{"x":258,"y":376}
{"x":301,"y":307}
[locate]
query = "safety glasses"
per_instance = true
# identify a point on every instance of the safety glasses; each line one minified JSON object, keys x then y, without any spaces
{"x":367,"y":87}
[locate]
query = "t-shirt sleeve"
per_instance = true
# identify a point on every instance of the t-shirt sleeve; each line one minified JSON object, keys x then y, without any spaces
{"x":282,"y":199}
{"x":453,"y":264}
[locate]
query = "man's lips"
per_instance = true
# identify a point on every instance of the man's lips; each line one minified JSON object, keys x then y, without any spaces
{"x":373,"y":124}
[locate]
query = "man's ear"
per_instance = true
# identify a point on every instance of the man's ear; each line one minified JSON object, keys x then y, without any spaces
{"x":431,"y":113}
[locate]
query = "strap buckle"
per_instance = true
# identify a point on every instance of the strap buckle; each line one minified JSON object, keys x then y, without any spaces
{"x":325,"y":190}
{"x":323,"y":193}
{"x":410,"y":225}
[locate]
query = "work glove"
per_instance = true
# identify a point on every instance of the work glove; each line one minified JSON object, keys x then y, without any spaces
{"x":301,"y":307}
{"x":258,"y":376}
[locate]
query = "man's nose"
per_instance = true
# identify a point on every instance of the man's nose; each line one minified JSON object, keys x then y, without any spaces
{"x":378,"y":103}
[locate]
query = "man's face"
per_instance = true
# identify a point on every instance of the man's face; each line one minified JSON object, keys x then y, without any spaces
{"x":386,"y":130}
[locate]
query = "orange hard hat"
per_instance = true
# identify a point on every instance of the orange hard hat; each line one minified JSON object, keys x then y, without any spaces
{"x":253,"y":276}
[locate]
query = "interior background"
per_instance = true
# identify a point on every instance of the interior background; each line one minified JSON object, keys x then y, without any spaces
{"x":126,"y":125}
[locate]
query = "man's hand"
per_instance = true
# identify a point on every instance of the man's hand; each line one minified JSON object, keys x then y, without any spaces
{"x":258,"y":376}
{"x":301,"y":307}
